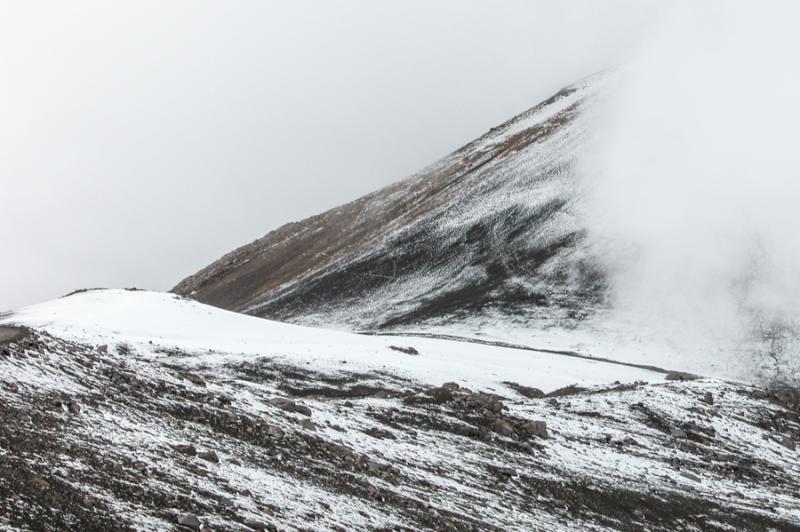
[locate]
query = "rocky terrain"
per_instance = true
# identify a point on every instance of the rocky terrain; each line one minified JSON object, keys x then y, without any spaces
{"x":129,"y":410}
{"x":488,"y":233}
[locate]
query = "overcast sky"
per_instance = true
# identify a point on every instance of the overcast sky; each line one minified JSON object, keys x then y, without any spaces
{"x":141,"y":140}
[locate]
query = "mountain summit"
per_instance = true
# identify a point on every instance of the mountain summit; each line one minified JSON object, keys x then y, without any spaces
{"x":486,"y":234}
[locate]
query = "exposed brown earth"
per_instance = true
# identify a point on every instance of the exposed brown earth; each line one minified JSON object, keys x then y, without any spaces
{"x":415,"y":252}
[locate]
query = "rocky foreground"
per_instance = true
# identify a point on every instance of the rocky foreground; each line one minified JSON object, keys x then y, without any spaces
{"x":139,"y":436}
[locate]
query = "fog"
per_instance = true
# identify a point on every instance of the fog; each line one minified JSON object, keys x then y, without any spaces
{"x":693,"y":177}
{"x":139,"y":141}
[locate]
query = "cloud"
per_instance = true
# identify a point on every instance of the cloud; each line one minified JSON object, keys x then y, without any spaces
{"x":693,"y":180}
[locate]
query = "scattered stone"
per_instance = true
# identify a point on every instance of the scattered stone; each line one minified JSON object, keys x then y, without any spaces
{"x":194,"y":378}
{"x":680,"y":376}
{"x":74,"y":407}
{"x":274,"y":431}
{"x":255,"y":524}
{"x":190,"y":521}
{"x":452,"y":386}
{"x":102,"y":349}
{"x":677,"y":433}
{"x":290,"y":406}
{"x":283,"y":403}
{"x":308,"y":424}
{"x":572,"y":389}
{"x":503,"y":427}
{"x":187,"y":449}
{"x":536,"y":428}
{"x":406,"y":350}
{"x":502,"y":472}
{"x":788,"y":442}
{"x":380,"y":434}
{"x":525,"y":391}
{"x":209,"y":456}
{"x":708,"y":398}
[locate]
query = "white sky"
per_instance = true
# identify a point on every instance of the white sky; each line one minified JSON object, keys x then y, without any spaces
{"x":140,"y":140}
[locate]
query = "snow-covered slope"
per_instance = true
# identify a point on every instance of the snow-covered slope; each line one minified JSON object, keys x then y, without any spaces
{"x":136,"y":410}
{"x":141,"y":319}
{"x":490,"y":243}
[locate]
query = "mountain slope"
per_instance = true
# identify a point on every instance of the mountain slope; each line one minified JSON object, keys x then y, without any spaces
{"x":487,"y":231}
{"x":132,"y":410}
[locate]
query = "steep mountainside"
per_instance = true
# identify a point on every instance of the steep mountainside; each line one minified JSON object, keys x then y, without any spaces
{"x":486,"y":232}
{"x":129,"y":410}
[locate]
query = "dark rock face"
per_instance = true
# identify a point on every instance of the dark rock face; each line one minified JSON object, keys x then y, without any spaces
{"x":487,"y":231}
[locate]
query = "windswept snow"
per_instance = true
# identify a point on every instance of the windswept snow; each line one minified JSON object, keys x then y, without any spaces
{"x":148,"y":320}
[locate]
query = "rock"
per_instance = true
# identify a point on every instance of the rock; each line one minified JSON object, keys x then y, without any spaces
{"x":274,"y":431}
{"x":708,"y":398}
{"x":451,"y":386}
{"x":209,"y":456}
{"x":283,"y":403}
{"x":677,"y":433}
{"x":406,"y":350}
{"x":290,"y":406}
{"x":190,"y":521}
{"x":529,"y":391}
{"x":680,"y":376}
{"x":255,"y":524}
{"x":308,"y":424}
{"x":503,"y":472}
{"x":503,"y":427}
{"x":187,"y":449}
{"x":102,"y":349}
{"x":788,"y":442}
{"x":572,"y":389}
{"x":536,"y":428}
{"x":194,"y":378}
{"x":74,"y":407}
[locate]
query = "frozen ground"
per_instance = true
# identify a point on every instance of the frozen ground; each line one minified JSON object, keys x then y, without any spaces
{"x":138,"y":410}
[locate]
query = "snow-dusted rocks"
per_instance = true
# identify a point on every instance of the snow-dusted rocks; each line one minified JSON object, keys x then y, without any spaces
{"x":438,"y":440}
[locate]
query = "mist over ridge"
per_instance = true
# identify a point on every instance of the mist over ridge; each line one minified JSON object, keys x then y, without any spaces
{"x":691,"y":183}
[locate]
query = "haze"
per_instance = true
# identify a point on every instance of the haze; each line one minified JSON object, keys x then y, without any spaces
{"x":142,"y":140}
{"x":693,"y":182}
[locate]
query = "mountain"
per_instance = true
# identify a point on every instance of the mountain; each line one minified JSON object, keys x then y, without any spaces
{"x":132,"y":410}
{"x":486,"y":235}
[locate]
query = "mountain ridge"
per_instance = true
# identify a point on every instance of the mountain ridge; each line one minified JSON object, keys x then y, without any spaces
{"x":320,"y":271}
